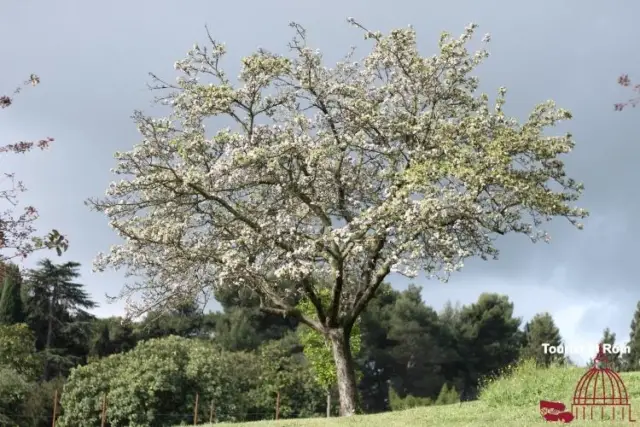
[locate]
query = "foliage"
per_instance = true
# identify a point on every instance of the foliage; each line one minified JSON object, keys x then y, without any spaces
{"x":513,"y":402}
{"x":524,"y":384}
{"x":317,"y":348}
{"x":14,"y":389}
{"x":25,"y":403}
{"x":376,"y":361}
{"x":84,"y":390}
{"x":392,"y":163}
{"x":285,"y":371}
{"x":37,"y":406}
{"x":539,"y":330}
{"x":56,"y":307}
{"x":489,"y":338}
{"x":11,"y":305}
{"x":228,"y":379}
{"x":631,"y":360}
{"x":614,"y":360}
{"x":447,"y":395}
{"x":113,"y":335}
{"x":419,"y":346}
{"x":18,"y":352}
{"x":150,"y":387}
{"x":183,"y":320}
{"x":397,"y":403}
{"x":155,"y":385}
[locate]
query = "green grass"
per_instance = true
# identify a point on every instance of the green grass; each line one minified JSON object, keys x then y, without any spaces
{"x":509,"y":401}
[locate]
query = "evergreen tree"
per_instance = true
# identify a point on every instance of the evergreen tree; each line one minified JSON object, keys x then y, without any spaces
{"x":376,"y":361}
{"x":57,"y":313}
{"x":417,"y":349}
{"x":632,"y":359}
{"x":11,"y":307}
{"x":101,"y":346}
{"x":615,"y":361}
{"x":541,"y":329}
{"x":488,"y":340}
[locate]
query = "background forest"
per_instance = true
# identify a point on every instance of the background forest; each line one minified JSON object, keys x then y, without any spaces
{"x":239,"y":359}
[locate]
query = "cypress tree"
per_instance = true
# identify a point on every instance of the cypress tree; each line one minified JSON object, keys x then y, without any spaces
{"x":632,"y":359}
{"x":11,"y":307}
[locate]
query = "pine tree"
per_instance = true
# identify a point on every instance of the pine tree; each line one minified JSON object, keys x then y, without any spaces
{"x":631,"y":360}
{"x":57,"y":312}
{"x":541,"y":329}
{"x":614,"y":360}
{"x":11,"y":307}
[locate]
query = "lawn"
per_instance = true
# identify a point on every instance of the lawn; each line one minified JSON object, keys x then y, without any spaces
{"x":510,"y":401}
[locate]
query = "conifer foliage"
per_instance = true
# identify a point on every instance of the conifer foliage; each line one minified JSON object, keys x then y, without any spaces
{"x":11,"y":306}
{"x":541,"y":329}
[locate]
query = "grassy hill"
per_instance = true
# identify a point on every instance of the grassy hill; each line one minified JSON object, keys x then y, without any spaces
{"x":509,"y":401}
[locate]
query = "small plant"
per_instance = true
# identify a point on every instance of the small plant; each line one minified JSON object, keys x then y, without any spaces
{"x":448,"y":395}
{"x":398,"y":403}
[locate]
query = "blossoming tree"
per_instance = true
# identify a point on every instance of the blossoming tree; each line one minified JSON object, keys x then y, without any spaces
{"x":17,"y":229}
{"x":625,"y":81}
{"x":391,"y":164}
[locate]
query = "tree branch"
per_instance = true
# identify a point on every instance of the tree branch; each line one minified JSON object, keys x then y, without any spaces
{"x":295,"y":313}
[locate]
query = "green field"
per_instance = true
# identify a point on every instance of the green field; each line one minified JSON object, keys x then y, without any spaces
{"x":510,"y":401}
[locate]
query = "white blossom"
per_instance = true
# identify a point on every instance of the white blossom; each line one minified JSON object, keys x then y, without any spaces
{"x":390,"y":163}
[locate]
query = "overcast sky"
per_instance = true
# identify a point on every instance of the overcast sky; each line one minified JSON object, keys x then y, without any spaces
{"x":93,"y":59}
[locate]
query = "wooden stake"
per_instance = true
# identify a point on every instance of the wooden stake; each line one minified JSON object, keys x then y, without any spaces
{"x":103,"y":422}
{"x":212,"y":412}
{"x":55,"y":408}
{"x":195,"y":411}
{"x":278,"y":405}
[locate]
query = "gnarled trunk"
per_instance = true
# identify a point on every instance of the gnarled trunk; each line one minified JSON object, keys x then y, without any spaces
{"x":345,"y":372}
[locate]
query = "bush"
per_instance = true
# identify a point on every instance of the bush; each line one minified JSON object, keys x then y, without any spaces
{"x":448,"y":395}
{"x":147,"y":386}
{"x":14,"y":389}
{"x":224,"y":378}
{"x":18,"y":351}
{"x":155,"y":385}
{"x":81,"y":400}
{"x":38,"y":404}
{"x":24,"y":403}
{"x":398,"y":403}
{"x":525,"y":384}
{"x":283,"y":368}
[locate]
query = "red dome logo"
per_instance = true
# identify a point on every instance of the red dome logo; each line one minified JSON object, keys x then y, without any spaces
{"x":599,"y":391}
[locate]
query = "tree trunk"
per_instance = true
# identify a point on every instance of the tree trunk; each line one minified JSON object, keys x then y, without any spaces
{"x":49,"y":339}
{"x":328,"y":402}
{"x":345,"y":373}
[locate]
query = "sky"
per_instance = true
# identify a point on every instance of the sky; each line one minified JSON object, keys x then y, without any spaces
{"x":93,"y":59}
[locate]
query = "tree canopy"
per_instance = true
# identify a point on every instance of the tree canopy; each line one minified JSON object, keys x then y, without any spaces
{"x":394,"y":163}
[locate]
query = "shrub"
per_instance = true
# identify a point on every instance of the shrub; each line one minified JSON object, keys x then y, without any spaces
{"x":155,"y":385}
{"x":525,"y":384}
{"x":14,"y":388}
{"x":398,"y":403}
{"x":448,"y":395}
